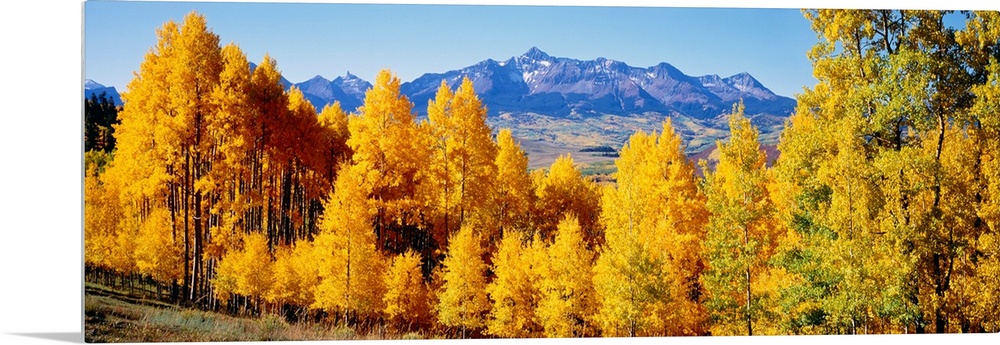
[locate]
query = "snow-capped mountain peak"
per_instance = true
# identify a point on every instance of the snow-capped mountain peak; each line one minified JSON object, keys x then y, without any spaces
{"x":92,"y":88}
{"x":538,"y":82}
{"x":536,"y":54}
{"x":745,"y":82}
{"x":90,"y":84}
{"x":352,"y":85}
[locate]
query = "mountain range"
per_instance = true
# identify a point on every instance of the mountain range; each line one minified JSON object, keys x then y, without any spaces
{"x":571,"y":103}
{"x":349,"y":90}
{"x":539,"y":83}
{"x":536,"y":82}
{"x":92,"y":88}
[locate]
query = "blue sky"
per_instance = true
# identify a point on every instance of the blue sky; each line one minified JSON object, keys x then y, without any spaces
{"x":330,"y":39}
{"x":308,"y":39}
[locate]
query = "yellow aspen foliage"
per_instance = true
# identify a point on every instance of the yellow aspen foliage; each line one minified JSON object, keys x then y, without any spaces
{"x":141,"y":152}
{"x":627,"y":281}
{"x":226,"y":275}
{"x":510,"y":204}
{"x":462,"y":301}
{"x":193,"y":76}
{"x":296,"y":128}
{"x":462,"y":163}
{"x":514,"y":290}
{"x":101,"y":215}
{"x":566,"y":286}
{"x":229,"y":129}
{"x":131,"y":184}
{"x":678,"y":226}
{"x":295,"y":275}
{"x":985,"y":286}
{"x":838,"y":266}
{"x":654,"y":223}
{"x":163,"y":141}
{"x":159,"y":252}
{"x":301,"y":134}
{"x":564,"y":190}
{"x":255,"y":267}
{"x":117,"y":219}
{"x":742,"y":234}
{"x":333,"y":121}
{"x":801,"y":199}
{"x":269,"y":103}
{"x":246,"y":271}
{"x":391,"y":151}
{"x":886,"y":244}
{"x":282,"y":288}
{"x":440,"y":191}
{"x":346,"y":256}
{"x":853,"y":203}
{"x":983,"y":311}
{"x":931,"y":192}
{"x":308,"y":159}
{"x":208,"y":150}
{"x":981,"y":36}
{"x":962,"y":186}
{"x":406,"y":302}
{"x":882,"y":214}
{"x":141,"y":149}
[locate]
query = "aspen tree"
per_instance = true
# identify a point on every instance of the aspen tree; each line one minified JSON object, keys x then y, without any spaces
{"x":563,"y":189}
{"x":566,"y":286}
{"x":463,"y":159}
{"x":462,"y":301}
{"x":345,"y":251}
{"x":512,"y":198}
{"x":405,"y":299}
{"x":390,"y":148}
{"x":741,"y":233}
{"x":654,"y":222}
{"x":517,"y":266}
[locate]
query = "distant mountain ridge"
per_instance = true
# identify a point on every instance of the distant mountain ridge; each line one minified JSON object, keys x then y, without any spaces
{"x":573,"y":104}
{"x":349,"y":90}
{"x":536,"y":82}
{"x":91,"y":87}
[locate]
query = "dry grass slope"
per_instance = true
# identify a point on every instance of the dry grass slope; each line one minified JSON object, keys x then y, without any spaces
{"x":113,"y":316}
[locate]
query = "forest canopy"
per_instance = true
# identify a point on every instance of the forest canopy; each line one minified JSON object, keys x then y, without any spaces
{"x":881,"y":215}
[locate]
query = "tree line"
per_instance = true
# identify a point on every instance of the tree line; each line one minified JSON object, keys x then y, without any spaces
{"x":881,"y":214}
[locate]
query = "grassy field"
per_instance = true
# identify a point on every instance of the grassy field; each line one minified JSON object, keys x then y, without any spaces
{"x":114,"y":316}
{"x":545,"y":138}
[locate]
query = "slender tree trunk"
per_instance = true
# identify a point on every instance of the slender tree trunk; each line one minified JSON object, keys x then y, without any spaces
{"x":187,"y":246}
{"x":461,"y":196}
{"x":447,"y":193}
{"x":746,"y":241}
{"x":197,"y":271}
{"x":749,"y":320}
{"x":943,"y":278}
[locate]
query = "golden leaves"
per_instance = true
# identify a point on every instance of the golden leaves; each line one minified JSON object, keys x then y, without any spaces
{"x":881,"y":214}
{"x":462,"y":300}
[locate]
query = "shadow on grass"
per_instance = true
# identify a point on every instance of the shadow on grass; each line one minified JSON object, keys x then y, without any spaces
{"x":69,"y":337}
